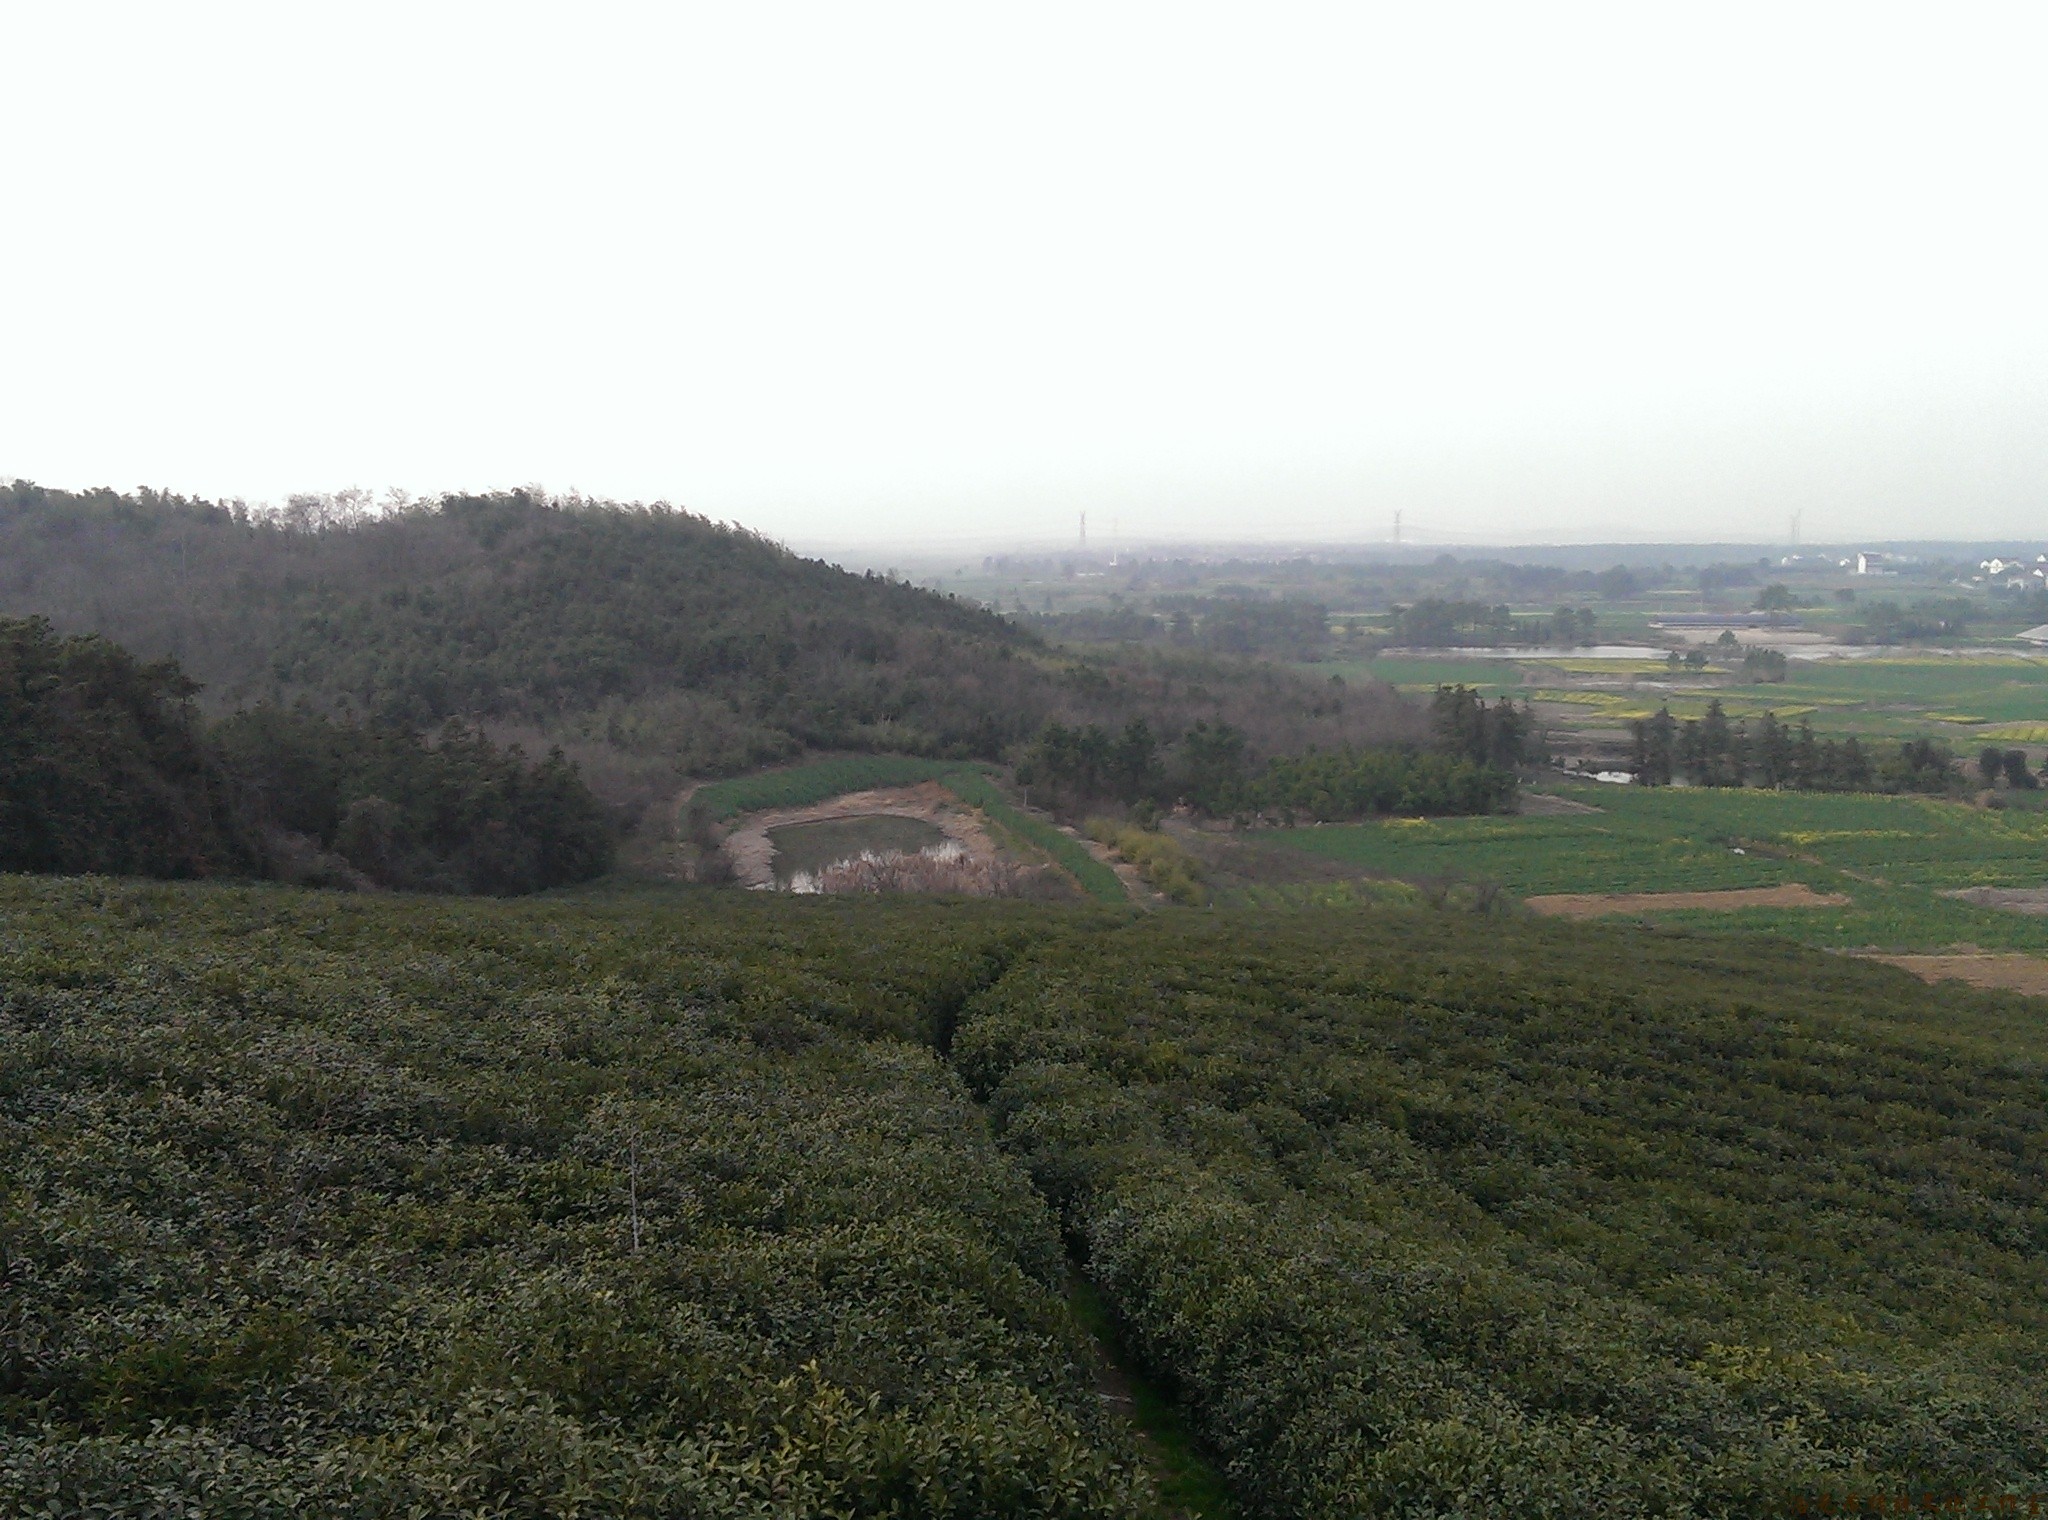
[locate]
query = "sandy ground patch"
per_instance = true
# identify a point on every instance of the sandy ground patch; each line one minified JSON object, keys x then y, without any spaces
{"x":1596,"y":904}
{"x":2012,"y":899}
{"x":753,"y":856}
{"x":2010,"y":971}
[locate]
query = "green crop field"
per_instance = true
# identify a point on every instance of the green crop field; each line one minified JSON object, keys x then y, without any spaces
{"x":817,"y":780}
{"x":1424,"y":674}
{"x":1907,"y":695}
{"x":1890,"y":855}
{"x":1997,"y":698}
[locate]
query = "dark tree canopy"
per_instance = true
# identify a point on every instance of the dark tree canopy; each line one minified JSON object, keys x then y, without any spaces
{"x":104,"y":765}
{"x":107,"y":766}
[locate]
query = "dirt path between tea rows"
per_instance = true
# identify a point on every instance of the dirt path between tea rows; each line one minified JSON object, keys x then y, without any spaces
{"x":1597,"y":904}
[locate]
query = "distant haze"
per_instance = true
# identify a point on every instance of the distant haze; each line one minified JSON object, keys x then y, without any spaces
{"x":955,"y":274}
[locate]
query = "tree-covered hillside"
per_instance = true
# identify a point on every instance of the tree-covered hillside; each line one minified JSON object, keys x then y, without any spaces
{"x":649,"y":634}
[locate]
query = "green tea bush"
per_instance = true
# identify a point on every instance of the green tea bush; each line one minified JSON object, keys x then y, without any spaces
{"x":328,"y":1205}
{"x":1558,"y":1221}
{"x":680,"y":1202}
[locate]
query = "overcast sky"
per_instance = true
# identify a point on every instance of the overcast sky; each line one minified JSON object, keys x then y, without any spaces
{"x":960,"y":272}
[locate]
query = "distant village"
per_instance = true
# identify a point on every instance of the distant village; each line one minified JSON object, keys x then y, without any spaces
{"x":2014,"y":572}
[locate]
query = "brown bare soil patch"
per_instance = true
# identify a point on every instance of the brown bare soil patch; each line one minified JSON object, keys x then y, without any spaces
{"x":2012,"y":899}
{"x":2011,"y":971}
{"x":1597,"y":904}
{"x":1547,"y":805}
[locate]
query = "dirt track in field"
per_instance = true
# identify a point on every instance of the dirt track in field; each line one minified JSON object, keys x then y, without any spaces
{"x":1599,"y":904}
{"x":1549,"y":805}
{"x":2012,"y":899}
{"x":2009,"y":971}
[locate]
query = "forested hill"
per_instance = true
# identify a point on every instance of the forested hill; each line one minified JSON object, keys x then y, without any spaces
{"x":648,"y":632}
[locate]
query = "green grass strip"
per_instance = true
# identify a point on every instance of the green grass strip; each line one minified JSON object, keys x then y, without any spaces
{"x":1188,"y":1484}
{"x":816,"y":780}
{"x":1096,"y":879}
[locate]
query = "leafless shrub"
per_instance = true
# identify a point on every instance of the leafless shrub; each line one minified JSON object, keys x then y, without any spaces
{"x":946,"y":867}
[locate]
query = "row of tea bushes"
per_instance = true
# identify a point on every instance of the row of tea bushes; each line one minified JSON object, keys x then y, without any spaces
{"x":1562,"y":1221}
{"x":349,"y":1206}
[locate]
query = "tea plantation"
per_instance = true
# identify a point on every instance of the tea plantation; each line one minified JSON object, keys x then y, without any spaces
{"x":323,"y":1205}
{"x":689,"y":1203}
{"x":1546,"y":1221}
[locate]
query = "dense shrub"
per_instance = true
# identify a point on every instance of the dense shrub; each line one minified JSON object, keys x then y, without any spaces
{"x":104,"y":764}
{"x":1163,"y":863}
{"x":317,"y":1204}
{"x":671,"y":1204}
{"x":1561,"y":1221}
{"x":1212,"y":767}
{"x":1343,"y":784}
{"x":455,"y":815}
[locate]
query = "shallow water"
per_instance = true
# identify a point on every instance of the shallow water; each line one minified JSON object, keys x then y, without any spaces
{"x":814,"y":846}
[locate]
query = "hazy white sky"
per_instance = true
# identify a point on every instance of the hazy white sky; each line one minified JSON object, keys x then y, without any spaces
{"x":952,"y":271}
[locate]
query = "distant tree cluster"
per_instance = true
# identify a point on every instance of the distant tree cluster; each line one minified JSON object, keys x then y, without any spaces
{"x":1210,"y":767}
{"x":106,"y":765}
{"x":1284,"y":628}
{"x":2008,"y":765}
{"x":1929,"y":618}
{"x":1711,"y":751}
{"x":1437,"y":623}
{"x":1776,"y":597}
{"x":1764,"y":665}
{"x":1501,"y":735}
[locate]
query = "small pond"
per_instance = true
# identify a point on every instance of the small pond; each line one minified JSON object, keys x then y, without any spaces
{"x":813,"y":846}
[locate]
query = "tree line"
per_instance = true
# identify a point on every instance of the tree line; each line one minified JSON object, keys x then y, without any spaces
{"x":1441,"y":623}
{"x":1469,"y":768}
{"x":108,"y":766}
{"x":1711,"y":751}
